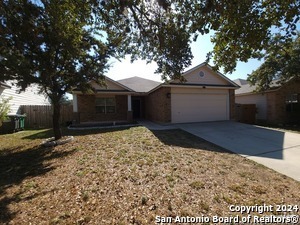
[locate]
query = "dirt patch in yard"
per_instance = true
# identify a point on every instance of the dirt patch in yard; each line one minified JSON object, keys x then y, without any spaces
{"x":129,"y":176}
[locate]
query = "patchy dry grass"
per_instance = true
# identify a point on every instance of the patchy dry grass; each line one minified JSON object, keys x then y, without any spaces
{"x":128,"y":176}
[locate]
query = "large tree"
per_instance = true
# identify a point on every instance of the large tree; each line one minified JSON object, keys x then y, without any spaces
{"x":281,"y":63}
{"x":61,"y":44}
{"x":53,"y":44}
{"x":162,"y":30}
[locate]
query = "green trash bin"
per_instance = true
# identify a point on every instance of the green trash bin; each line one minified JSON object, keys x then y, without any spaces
{"x":10,"y":124}
{"x":13,"y":123}
{"x":21,"y":122}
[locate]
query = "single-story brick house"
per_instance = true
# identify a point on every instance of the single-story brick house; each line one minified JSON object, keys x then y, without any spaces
{"x":206,"y":95}
{"x":278,"y":105}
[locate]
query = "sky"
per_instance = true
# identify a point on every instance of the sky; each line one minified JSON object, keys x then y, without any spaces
{"x":200,"y":48}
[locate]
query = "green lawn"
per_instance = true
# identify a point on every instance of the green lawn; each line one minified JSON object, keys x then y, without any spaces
{"x":128,"y":176}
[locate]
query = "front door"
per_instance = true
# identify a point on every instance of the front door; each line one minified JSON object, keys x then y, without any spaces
{"x":136,"y":108}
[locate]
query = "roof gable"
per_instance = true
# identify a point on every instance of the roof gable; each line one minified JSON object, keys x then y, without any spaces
{"x":203,"y":74}
{"x":111,"y":85}
{"x":139,"y":84}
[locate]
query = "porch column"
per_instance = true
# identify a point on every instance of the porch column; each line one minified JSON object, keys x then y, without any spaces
{"x":129,"y":102}
{"x":76,"y":119}
{"x":75,"y":104}
{"x":129,"y":111}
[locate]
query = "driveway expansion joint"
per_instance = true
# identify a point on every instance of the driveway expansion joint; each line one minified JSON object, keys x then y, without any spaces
{"x":278,"y":150}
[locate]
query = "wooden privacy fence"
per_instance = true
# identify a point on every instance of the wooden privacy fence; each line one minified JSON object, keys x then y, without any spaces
{"x":245,"y":113}
{"x":40,"y":116}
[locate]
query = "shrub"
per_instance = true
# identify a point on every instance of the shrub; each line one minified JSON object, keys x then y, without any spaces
{"x":4,"y":108}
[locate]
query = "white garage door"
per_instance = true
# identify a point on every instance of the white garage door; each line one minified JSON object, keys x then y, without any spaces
{"x":199,"y":107}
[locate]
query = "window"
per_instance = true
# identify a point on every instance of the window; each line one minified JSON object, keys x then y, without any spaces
{"x":105,"y":105}
{"x":292,"y":103}
{"x":201,"y":74}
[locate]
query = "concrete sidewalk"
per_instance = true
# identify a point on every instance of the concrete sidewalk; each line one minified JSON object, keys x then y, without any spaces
{"x":275,"y":149}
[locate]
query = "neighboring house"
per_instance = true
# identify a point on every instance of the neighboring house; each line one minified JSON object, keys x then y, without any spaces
{"x":279,"y":104}
{"x":205,"y":96}
{"x":3,"y":86}
{"x":28,"y":97}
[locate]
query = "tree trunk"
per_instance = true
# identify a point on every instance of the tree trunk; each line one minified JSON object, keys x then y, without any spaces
{"x":56,"y":117}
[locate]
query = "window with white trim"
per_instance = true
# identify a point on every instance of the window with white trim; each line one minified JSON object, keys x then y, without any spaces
{"x":105,"y":105}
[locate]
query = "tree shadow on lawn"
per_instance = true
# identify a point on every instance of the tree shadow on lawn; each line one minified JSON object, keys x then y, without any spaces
{"x":180,"y":138}
{"x":16,"y":166}
{"x":43,"y":134}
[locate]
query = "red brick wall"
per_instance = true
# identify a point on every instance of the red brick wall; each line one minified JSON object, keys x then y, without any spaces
{"x":271,"y":107}
{"x":158,"y":105}
{"x":276,"y":106}
{"x":231,"y":104}
{"x":86,"y":103}
{"x":87,"y":110}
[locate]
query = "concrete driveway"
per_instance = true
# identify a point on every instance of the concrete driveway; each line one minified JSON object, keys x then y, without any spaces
{"x":275,"y":149}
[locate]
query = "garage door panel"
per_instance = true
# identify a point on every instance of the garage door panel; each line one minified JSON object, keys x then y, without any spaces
{"x":199,"y":107}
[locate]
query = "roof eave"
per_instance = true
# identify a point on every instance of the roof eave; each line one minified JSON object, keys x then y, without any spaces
{"x":253,"y":92}
{"x":208,"y":66}
{"x":223,"y":76}
{"x":111,"y":80}
{"x":5,"y":86}
{"x":118,"y":92}
{"x":194,"y":68}
{"x":201,"y":86}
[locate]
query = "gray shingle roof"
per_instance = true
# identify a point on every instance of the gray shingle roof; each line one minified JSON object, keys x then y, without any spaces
{"x":246,"y":87}
{"x":240,"y":81}
{"x":139,"y":84}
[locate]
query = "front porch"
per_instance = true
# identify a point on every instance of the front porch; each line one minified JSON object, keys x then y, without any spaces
{"x":107,"y":108}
